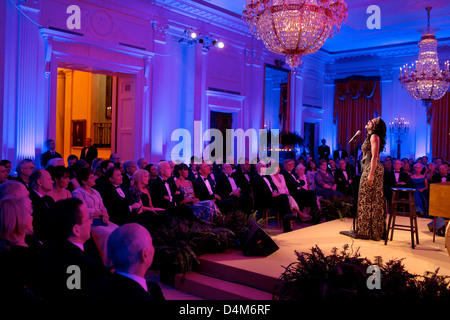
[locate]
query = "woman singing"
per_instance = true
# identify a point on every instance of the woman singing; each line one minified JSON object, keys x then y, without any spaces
{"x":370,"y":221}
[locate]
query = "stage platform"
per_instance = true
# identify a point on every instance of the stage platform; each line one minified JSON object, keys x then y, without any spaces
{"x":231,"y":275}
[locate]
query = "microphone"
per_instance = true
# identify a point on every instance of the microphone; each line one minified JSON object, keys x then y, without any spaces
{"x":356,"y":134}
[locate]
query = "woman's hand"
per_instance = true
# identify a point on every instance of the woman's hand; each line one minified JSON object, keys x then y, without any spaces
{"x":370,"y":179}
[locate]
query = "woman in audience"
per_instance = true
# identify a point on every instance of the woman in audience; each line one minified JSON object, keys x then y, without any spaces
{"x":310,"y":195}
{"x":18,"y":257}
{"x":101,"y":227}
{"x":151,"y":168}
{"x":7,"y":165}
{"x":407,"y":168}
{"x":140,"y":190}
{"x":280,"y":183}
{"x":325,"y":183}
{"x":311,"y":174}
{"x":421,"y":186}
{"x":202,"y":209}
{"x":60,"y":176}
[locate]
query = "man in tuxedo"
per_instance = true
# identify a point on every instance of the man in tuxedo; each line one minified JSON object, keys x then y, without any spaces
{"x":205,"y":189}
{"x":101,"y":182}
{"x":131,"y":252}
{"x":324,"y":150}
{"x":65,"y":269}
{"x":89,"y":152}
{"x":117,"y":199}
{"x":41,"y":183}
{"x":166,"y":194}
{"x":396,"y":179}
{"x":226,"y":186}
{"x":24,"y":170}
{"x":303,"y":197}
{"x":343,"y":178}
{"x":441,"y":175}
{"x":242,"y":176}
{"x":267,"y":197}
{"x":129,"y":168}
{"x":339,"y":153}
{"x":332,"y":166}
{"x":50,"y":153}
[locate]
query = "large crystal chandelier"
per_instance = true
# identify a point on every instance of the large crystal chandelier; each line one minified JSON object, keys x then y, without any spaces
{"x":424,"y":80}
{"x":294,"y":27}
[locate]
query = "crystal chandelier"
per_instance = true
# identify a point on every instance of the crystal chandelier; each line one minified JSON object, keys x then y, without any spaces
{"x":294,"y":27}
{"x":424,"y":80}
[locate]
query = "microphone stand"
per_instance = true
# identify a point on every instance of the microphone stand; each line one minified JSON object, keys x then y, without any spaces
{"x":352,"y":233}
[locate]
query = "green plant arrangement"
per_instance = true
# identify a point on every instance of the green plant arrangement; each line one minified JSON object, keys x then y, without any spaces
{"x":342,"y":276}
{"x":177,"y":248}
{"x":337,"y":208}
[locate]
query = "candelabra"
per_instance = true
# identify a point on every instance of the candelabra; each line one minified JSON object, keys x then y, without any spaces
{"x":398,"y":128}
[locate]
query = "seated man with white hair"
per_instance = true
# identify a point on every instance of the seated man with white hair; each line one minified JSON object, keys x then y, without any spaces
{"x":131,"y":251}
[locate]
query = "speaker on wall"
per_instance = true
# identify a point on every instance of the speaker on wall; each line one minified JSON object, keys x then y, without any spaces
{"x":257,"y":242}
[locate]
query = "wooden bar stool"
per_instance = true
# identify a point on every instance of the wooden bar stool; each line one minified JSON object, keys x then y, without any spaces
{"x":409,"y":209}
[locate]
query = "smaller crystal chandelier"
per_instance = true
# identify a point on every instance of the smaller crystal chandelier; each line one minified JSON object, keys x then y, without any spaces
{"x":294,"y":27}
{"x":424,"y":80}
{"x":398,"y":128}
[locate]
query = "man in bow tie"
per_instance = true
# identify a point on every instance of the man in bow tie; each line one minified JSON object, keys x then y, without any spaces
{"x":396,"y":179}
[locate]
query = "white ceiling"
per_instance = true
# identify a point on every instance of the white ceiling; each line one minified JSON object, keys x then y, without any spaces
{"x":400,"y":22}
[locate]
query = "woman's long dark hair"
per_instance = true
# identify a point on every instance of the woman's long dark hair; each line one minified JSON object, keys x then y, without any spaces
{"x":380,"y":131}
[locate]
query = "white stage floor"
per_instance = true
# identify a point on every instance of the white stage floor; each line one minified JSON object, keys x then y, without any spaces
{"x":262,"y":272}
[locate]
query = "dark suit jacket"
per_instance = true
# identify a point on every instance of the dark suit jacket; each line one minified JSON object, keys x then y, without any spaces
{"x":390,"y":182}
{"x":42,"y":220}
{"x":343,"y":184}
{"x":200,"y":189}
{"x":324,"y":152}
{"x":158,"y":191}
{"x":292,"y":182}
{"x":46,"y":156}
{"x":336,"y":154}
{"x":53,"y":275}
{"x":116,"y":287}
{"x":91,"y":154}
{"x":223,"y":185}
{"x":242,"y":182}
{"x":117,"y":206}
{"x":19,"y":179}
{"x":437,"y":178}
{"x":263,"y":195}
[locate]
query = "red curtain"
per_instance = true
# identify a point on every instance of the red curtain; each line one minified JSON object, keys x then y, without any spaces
{"x":440,"y":128}
{"x":356,"y":101}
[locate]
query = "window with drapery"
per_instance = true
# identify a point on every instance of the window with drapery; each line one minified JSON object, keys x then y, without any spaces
{"x":357,"y":99}
{"x":440,"y":127}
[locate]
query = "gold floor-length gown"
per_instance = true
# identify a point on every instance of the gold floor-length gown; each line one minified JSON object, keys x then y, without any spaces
{"x":370,"y":221}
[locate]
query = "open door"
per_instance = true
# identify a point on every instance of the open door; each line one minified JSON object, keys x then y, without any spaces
{"x":123,"y":142}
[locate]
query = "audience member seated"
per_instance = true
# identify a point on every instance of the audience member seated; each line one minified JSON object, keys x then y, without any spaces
{"x":24,"y":169}
{"x":152,"y":218}
{"x":18,"y":253}
{"x":343,"y":179}
{"x":306,"y":199}
{"x":396,"y":179}
{"x":60,"y":176}
{"x":325,"y":183}
{"x":242,"y":177}
{"x":202,"y":209}
{"x":117,"y":199}
{"x":57,"y":281}
{"x":131,"y":250}
{"x":204,"y":189}
{"x":266,"y":196}
{"x":193,"y":174}
{"x":41,"y":184}
{"x":73,"y":184}
{"x":151,"y":168}
{"x":3,"y":173}
{"x":129,"y":167}
{"x":55,"y":162}
{"x":332,"y":166}
{"x":441,"y":175}
{"x":226,"y":185}
{"x":142,"y":163}
{"x":101,"y":181}
{"x":421,"y":185}
{"x":431,"y":170}
{"x":406,"y":168}
{"x":13,"y":188}
{"x":280,"y":183}
{"x":71,"y":160}
{"x":7,"y":165}
{"x":311,"y":171}
{"x":101,"y":227}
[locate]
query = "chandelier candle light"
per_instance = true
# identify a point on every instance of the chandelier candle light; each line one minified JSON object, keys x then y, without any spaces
{"x":294,"y":27}
{"x":424,"y":80}
{"x":399,"y":127}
